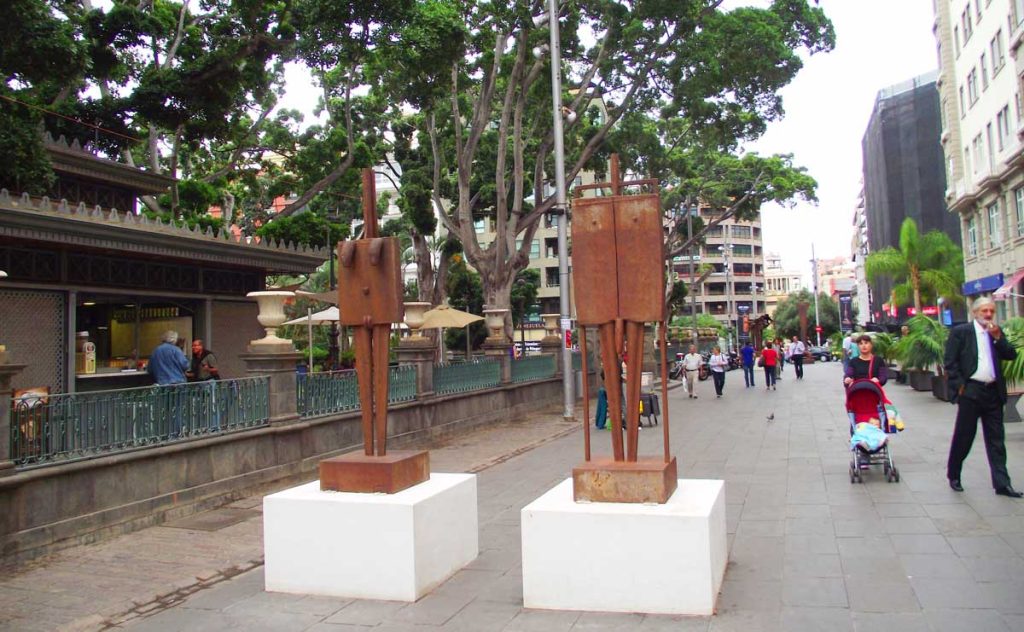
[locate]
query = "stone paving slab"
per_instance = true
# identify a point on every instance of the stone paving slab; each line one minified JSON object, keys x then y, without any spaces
{"x":808,"y":550}
{"x":139,"y":574}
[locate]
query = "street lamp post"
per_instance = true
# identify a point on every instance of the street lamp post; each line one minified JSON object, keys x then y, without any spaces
{"x":726,"y":251}
{"x":568,"y":399}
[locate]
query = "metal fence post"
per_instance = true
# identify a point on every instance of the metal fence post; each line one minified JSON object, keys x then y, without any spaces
{"x":7,"y":372}
{"x":279,"y":366}
{"x":500,"y":351}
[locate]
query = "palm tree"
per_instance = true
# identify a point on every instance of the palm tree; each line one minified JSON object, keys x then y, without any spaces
{"x":929,"y":263}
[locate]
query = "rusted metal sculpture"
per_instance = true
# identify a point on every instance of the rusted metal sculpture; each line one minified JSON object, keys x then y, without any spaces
{"x":370,"y":301}
{"x":619,"y":275}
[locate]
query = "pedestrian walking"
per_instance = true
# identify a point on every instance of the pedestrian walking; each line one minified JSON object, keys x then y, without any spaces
{"x":769,"y":361}
{"x":796,"y":353}
{"x":849,"y":351}
{"x":972,"y":362}
{"x":747,"y":354}
{"x":782,"y":347}
{"x":692,"y":362}
{"x":864,"y":367}
{"x":718,"y":363}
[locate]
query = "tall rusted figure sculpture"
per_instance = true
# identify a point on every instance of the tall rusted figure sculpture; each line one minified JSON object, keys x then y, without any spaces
{"x":370,"y":301}
{"x":619,"y":273}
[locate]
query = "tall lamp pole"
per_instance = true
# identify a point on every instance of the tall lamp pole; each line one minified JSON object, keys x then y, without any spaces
{"x":726,"y":251}
{"x":568,"y":398}
{"x":817,"y":325}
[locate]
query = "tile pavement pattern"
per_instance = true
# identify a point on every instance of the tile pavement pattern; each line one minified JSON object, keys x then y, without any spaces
{"x":808,"y":550}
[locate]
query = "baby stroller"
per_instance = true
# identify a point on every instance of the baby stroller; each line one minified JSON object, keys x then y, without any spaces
{"x":865,"y":402}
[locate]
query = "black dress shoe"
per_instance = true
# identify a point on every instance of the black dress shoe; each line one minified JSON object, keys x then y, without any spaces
{"x":954,"y":484}
{"x":1009,"y":491}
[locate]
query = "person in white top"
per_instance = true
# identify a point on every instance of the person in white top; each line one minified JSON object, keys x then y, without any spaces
{"x":796,"y":356}
{"x":718,"y":363}
{"x":692,"y":362}
{"x":975,"y":375}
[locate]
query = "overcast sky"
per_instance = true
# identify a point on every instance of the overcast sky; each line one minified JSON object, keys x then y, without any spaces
{"x":878,"y":43}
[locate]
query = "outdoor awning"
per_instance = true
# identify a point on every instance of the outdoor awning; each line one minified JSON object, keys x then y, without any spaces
{"x":1007,"y":288}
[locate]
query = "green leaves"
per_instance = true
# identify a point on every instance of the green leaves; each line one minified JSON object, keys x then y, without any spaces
{"x":924,"y":345}
{"x":924,"y":267}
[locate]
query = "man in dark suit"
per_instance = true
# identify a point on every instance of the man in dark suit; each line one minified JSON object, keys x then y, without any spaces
{"x":973,"y":354}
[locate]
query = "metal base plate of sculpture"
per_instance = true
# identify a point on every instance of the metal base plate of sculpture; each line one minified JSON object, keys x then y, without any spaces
{"x":619,"y":271}
{"x":370,"y":301}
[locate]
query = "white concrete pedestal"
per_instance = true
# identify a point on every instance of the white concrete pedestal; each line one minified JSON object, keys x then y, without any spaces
{"x":370,"y":546}
{"x":623,"y":557}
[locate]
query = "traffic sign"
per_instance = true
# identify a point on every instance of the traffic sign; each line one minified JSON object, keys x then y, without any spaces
{"x":818,"y":329}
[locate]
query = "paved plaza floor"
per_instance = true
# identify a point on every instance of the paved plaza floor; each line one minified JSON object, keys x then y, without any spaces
{"x":807,"y":550}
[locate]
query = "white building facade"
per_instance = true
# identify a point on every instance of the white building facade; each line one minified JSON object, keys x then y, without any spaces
{"x":981,"y":65}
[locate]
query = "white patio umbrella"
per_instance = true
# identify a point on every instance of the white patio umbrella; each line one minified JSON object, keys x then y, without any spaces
{"x":328,"y":315}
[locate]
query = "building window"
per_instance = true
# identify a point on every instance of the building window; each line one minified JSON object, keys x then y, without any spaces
{"x":956,"y":38}
{"x":967,"y":160}
{"x":968,"y":23}
{"x":976,"y":148}
{"x":551,"y":277}
{"x":977,"y":9}
{"x":963,"y":104}
{"x":991,"y":148}
{"x":741,"y":232}
{"x":1003,"y":125}
{"x":984,"y":71}
{"x":480,"y":226}
{"x":943,"y":123}
{"x":994,"y":234}
{"x":1018,"y":198}
{"x":998,"y":52}
{"x":1018,"y":11}
{"x":972,"y":86}
{"x":972,"y":237}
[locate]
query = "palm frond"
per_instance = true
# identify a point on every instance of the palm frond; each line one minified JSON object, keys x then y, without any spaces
{"x":887,"y":262}
{"x":924,"y":345}
{"x":910,"y":241}
{"x":1013,"y":370}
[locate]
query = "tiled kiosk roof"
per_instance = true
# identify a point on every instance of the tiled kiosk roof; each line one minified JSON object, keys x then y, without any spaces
{"x":42,"y":220}
{"x":73,"y":158}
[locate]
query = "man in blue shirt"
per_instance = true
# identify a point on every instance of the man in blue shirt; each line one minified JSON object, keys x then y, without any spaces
{"x":747,"y":352}
{"x":168,"y":363}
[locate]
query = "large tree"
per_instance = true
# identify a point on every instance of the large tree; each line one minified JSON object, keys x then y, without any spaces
{"x":787,"y":317}
{"x":924,"y":266}
{"x":491,"y":140}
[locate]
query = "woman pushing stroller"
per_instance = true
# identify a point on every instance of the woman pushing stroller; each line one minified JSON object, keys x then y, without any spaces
{"x":870,"y":421}
{"x":864,"y":367}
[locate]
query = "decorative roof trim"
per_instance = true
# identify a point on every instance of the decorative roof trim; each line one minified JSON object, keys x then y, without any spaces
{"x":74,"y":159}
{"x":42,"y":220}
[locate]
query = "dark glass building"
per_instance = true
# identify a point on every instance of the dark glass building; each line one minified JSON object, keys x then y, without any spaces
{"x":904,"y":174}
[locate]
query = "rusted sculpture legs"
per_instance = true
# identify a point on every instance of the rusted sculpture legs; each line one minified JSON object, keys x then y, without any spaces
{"x":611,"y":343}
{"x":372,"y":370}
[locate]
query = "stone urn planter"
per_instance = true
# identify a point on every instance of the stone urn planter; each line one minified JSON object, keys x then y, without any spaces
{"x":271,"y":316}
{"x":551,"y":325}
{"x":920,"y":380}
{"x":414,"y":318}
{"x":494,"y":319}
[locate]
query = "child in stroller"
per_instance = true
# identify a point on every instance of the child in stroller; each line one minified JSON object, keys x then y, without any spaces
{"x":870,"y":428}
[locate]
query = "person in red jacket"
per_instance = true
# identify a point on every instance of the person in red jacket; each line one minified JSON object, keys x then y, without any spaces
{"x":769,"y":358}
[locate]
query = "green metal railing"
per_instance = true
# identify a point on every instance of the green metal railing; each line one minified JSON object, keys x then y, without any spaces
{"x":71,"y":426}
{"x":461,"y":377}
{"x":535,"y":367}
{"x":402,"y":383}
{"x":577,"y":361}
{"x":327,"y":393}
{"x":333,"y":392}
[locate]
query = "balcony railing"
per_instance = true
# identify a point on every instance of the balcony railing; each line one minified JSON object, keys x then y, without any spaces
{"x":536,"y":367}
{"x":72,"y":426}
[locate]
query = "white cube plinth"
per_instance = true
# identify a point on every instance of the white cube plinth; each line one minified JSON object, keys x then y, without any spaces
{"x":624,"y":557}
{"x":370,"y":546}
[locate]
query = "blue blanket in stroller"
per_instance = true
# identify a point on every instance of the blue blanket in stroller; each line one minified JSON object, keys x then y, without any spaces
{"x":872,"y":437}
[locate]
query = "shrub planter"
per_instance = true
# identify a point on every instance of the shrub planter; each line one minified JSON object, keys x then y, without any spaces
{"x":920,"y":380}
{"x":898,"y":376}
{"x":1010,"y":414}
{"x":940,"y":387}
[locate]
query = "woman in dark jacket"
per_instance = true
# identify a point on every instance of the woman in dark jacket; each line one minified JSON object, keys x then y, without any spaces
{"x":866,"y":365}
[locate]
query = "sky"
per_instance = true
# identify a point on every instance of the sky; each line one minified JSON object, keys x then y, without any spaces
{"x":878,"y":43}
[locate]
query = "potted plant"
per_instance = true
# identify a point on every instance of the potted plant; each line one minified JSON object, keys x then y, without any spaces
{"x":1013,"y":370}
{"x":922,"y":348}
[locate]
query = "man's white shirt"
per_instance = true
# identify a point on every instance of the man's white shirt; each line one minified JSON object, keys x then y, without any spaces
{"x":692,"y":361}
{"x":986,"y":369}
